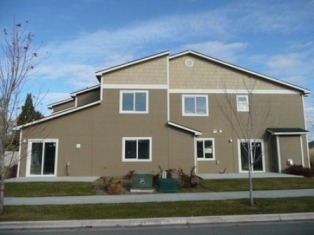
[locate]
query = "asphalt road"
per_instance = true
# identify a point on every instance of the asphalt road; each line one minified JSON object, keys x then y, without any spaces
{"x":256,"y":228}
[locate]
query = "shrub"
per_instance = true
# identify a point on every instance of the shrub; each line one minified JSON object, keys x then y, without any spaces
{"x":312,"y":157}
{"x":294,"y":169}
{"x":111,"y":186}
{"x":300,"y":170}
{"x":188,"y":181}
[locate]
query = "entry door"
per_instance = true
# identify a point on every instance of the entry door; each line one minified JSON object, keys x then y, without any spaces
{"x":43,"y":158}
{"x":257,"y":156}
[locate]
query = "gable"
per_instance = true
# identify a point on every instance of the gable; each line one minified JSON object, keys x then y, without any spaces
{"x":194,"y":71}
{"x":150,"y":71}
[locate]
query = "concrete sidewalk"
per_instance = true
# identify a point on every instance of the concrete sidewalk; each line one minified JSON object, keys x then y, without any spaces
{"x":154,"y":197}
{"x":72,"y":224}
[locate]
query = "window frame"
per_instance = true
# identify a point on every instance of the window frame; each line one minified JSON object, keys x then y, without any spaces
{"x":43,"y":156}
{"x":124,"y":139}
{"x":240,"y":105}
{"x":213,"y":149}
{"x":263,"y":154}
{"x":133,"y":92}
{"x":195,"y":114}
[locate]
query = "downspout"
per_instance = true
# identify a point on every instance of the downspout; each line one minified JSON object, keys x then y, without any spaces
{"x":306,"y":137}
{"x":278,"y":153}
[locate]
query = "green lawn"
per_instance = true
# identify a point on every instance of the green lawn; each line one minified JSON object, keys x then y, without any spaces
{"x":142,"y":210}
{"x":152,"y":210}
{"x":43,"y":189}
{"x":258,"y":184}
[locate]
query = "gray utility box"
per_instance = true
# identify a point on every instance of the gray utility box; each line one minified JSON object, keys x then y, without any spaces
{"x":142,"y":182}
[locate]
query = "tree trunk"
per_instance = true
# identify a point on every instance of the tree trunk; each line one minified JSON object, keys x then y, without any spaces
{"x":250,"y":161}
{"x":2,"y":176}
{"x":1,"y":193}
{"x":251,"y":185}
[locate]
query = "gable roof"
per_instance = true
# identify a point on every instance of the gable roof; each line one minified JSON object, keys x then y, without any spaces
{"x":304,"y":91}
{"x":59,"y":114}
{"x":73,"y":95}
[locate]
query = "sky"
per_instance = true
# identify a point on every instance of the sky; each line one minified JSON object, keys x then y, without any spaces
{"x":271,"y":37}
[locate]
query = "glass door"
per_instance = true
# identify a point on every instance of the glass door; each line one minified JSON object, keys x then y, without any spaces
{"x":43,"y":157}
{"x":256,"y":155}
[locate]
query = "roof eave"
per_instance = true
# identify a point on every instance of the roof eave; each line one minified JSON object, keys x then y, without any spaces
{"x":195,"y":132}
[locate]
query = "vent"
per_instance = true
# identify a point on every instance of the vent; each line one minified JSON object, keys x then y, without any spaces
{"x":189,"y":63}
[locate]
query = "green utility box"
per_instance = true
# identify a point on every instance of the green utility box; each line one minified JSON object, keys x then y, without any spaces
{"x":142,"y":182}
{"x":168,"y":185}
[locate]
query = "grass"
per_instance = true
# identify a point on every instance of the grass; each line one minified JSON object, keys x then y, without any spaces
{"x":43,"y":189}
{"x":152,"y":210}
{"x":165,"y":209}
{"x":258,"y":184}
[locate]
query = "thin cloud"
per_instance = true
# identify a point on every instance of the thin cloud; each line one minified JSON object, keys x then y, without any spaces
{"x":76,"y":60}
{"x":224,"y":51}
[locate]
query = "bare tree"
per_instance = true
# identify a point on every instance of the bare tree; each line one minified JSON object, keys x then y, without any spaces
{"x":18,"y":60}
{"x":248,"y":121}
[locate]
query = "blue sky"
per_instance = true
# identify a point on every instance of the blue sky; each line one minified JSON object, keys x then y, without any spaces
{"x":272,"y":37}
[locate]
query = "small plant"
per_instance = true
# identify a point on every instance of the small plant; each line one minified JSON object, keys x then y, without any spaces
{"x":184,"y":180}
{"x":129,"y":175}
{"x":312,"y":157}
{"x":110,"y":186}
{"x":188,"y":181}
{"x":300,"y":170}
{"x":170,"y":172}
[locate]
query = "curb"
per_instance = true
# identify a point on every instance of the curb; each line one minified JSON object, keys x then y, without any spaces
{"x":18,"y":225}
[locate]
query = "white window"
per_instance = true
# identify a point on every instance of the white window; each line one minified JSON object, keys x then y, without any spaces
{"x":194,"y":105}
{"x":242,"y":103}
{"x":133,"y":101}
{"x":136,"y":149}
{"x":205,"y":149}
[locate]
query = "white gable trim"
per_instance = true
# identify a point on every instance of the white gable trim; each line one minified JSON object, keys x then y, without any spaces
{"x":231,"y":91}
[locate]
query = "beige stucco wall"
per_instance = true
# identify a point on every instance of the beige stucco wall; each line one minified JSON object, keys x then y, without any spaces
{"x":290,"y":149}
{"x":99,"y":131}
{"x":284,"y":111}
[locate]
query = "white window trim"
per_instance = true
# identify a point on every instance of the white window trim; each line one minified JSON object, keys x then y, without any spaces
{"x":136,"y":138}
{"x":247,"y":103}
{"x":133,"y":111}
{"x":239,"y":154}
{"x":205,"y":159}
{"x":194,"y":114}
{"x":29,"y":156}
